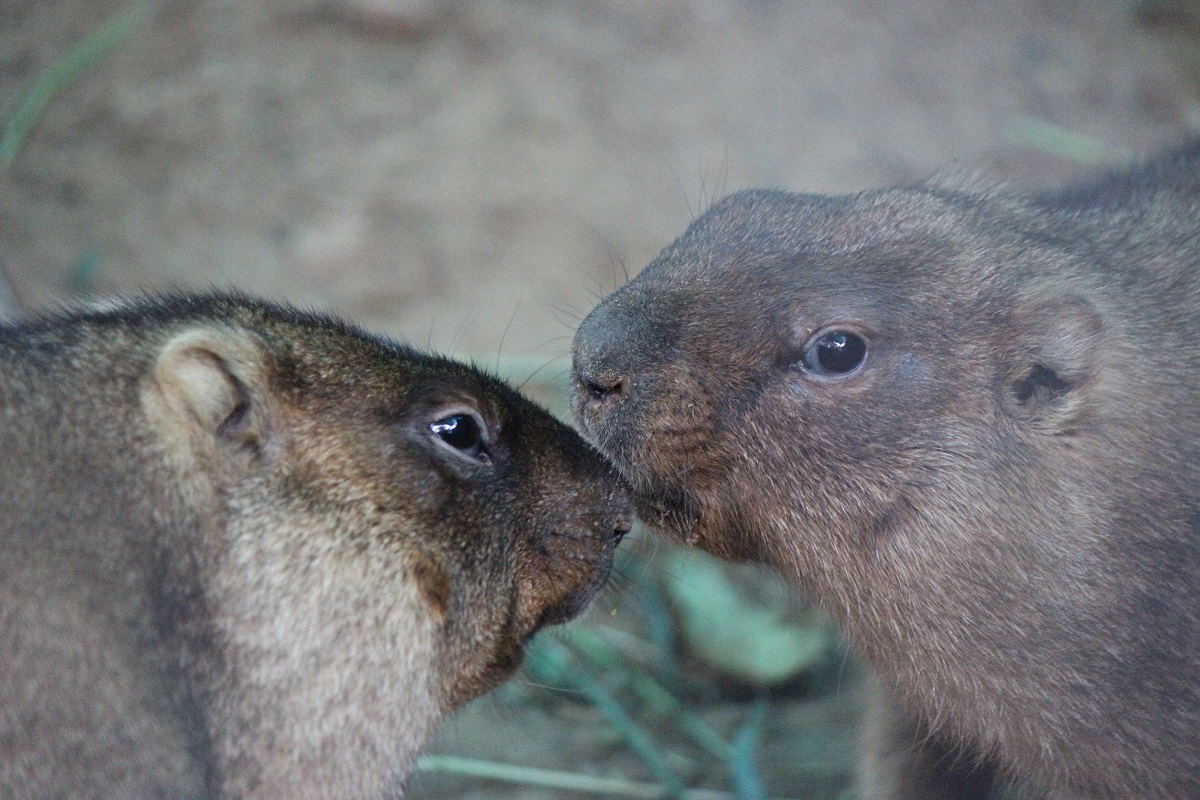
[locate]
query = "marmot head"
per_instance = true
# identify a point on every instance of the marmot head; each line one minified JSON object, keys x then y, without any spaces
{"x":797,"y":377}
{"x":345,"y":469}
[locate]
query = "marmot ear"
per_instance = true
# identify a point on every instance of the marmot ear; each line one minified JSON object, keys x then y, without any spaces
{"x":1056,"y":359}
{"x":210,"y":382}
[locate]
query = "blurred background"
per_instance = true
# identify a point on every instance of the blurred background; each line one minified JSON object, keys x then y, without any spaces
{"x":473,"y":176}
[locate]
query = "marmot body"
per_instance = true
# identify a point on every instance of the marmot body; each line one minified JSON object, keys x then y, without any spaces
{"x":968,"y":424}
{"x":251,"y":552}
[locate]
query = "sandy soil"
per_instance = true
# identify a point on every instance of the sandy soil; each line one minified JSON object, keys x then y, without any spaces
{"x":473,"y":175}
{"x":466,"y":173}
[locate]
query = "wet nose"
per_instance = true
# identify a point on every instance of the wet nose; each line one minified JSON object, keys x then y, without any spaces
{"x":622,"y":528}
{"x":621,"y":348}
{"x":601,"y":357}
{"x":600,"y":385}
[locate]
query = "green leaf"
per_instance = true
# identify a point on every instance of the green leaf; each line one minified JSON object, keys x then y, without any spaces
{"x":731,"y":633}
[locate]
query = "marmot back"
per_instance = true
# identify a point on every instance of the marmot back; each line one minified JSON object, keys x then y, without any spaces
{"x":251,"y":552}
{"x":968,"y":424}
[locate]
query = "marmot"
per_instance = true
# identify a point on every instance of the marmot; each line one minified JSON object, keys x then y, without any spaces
{"x":251,"y":552}
{"x":967,"y":423}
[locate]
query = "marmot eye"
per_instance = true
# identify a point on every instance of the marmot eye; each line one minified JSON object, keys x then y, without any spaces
{"x":462,"y":432}
{"x":835,"y":353}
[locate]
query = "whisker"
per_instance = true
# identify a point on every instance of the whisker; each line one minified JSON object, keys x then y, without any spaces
{"x":534,"y":374}
{"x":504,"y":335}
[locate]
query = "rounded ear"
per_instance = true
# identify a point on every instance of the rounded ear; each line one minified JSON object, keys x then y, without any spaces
{"x":210,"y":384}
{"x":1055,"y":360}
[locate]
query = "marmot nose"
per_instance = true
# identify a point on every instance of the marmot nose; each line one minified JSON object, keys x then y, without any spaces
{"x":601,"y":387}
{"x":601,"y":358}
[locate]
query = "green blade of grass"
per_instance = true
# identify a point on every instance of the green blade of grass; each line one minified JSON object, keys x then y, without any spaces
{"x":1072,"y":145}
{"x":635,"y":736}
{"x":743,"y":765}
{"x":52,"y":81}
{"x":651,"y":692}
{"x":545,"y":778}
{"x":556,"y":779}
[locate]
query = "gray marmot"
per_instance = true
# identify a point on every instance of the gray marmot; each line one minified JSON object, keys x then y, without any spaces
{"x":965,"y":422}
{"x":251,"y":552}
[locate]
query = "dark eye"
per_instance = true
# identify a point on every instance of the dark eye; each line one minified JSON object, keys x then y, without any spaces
{"x":462,"y":432}
{"x":835,"y":353}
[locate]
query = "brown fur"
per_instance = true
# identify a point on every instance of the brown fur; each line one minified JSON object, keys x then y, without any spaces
{"x":1000,"y":505}
{"x":236,"y":561}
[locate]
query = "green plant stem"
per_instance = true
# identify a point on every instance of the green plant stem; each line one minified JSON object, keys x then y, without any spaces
{"x":1055,"y":140}
{"x":635,"y":736}
{"x":556,"y":779}
{"x":532,"y":776}
{"x":652,"y":693}
{"x":743,"y":767}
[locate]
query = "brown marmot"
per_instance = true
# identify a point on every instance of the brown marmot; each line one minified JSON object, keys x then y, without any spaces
{"x":251,"y":552}
{"x":965,"y":422}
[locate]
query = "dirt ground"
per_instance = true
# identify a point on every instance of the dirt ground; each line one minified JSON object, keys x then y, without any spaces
{"x":473,"y":175}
